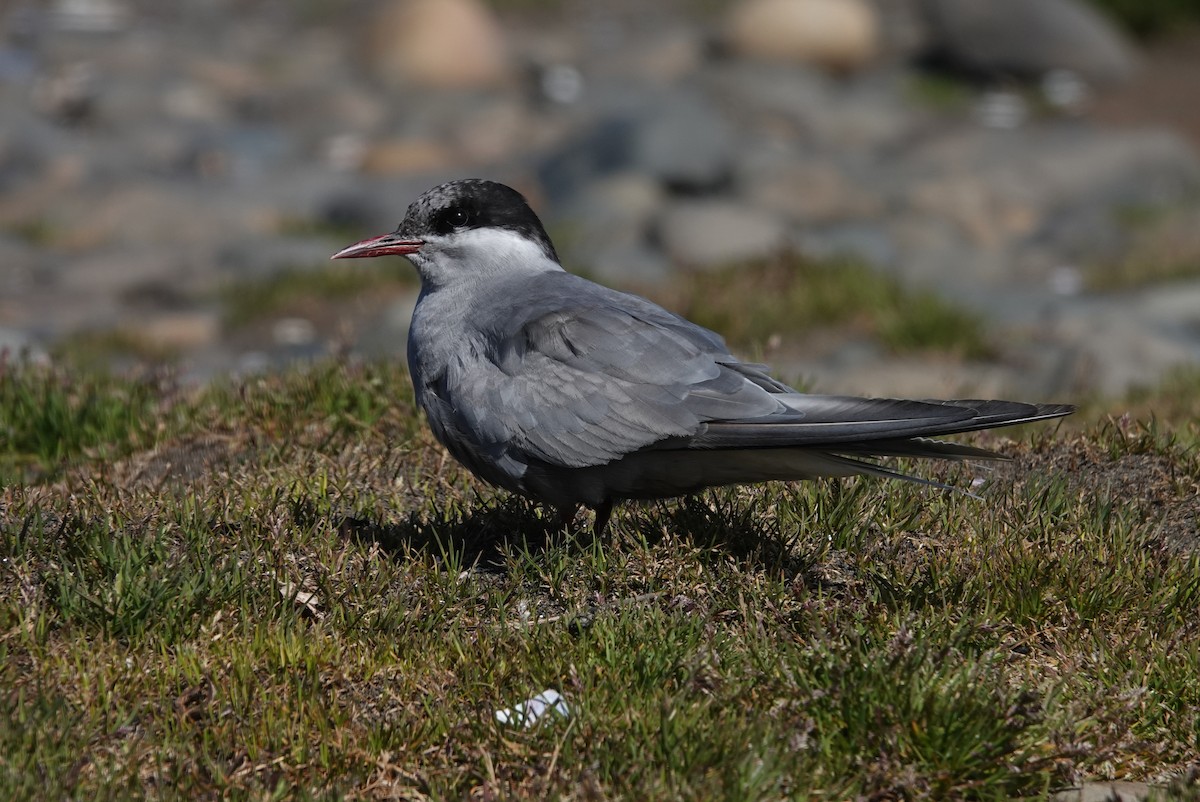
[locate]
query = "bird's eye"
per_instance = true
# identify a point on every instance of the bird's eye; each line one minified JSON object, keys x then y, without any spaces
{"x":454,"y":218}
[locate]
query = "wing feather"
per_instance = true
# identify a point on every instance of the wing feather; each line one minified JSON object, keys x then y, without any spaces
{"x":582,"y":376}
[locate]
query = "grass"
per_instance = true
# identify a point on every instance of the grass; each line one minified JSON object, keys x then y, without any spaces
{"x":93,"y":351}
{"x":284,"y":589}
{"x":789,"y":296}
{"x":1163,"y":250}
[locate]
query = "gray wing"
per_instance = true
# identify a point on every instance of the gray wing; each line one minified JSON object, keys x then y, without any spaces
{"x":586,"y":384}
{"x":578,"y":375}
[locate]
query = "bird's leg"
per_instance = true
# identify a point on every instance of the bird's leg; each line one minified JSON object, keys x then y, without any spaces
{"x":603,"y":512}
{"x":566,"y":516}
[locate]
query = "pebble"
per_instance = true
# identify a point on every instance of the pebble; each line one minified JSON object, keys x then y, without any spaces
{"x":441,"y":44}
{"x":143,"y":166}
{"x":836,"y":34}
{"x":1028,"y":38}
{"x":718,"y":233}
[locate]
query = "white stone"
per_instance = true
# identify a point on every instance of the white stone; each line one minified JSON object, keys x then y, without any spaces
{"x":838,"y":34}
{"x":441,"y":44}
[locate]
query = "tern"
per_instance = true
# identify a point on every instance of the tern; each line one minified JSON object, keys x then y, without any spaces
{"x":574,"y":394}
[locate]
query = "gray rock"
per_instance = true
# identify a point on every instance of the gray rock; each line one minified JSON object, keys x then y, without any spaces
{"x":1132,"y":340}
{"x":603,"y":148}
{"x":805,"y":189}
{"x":834,"y":117}
{"x":606,"y":228}
{"x":715,"y":233}
{"x":257,"y":258}
{"x":1026,"y":38}
{"x":686,"y":142}
{"x":630,"y":265}
{"x":793,"y":93}
{"x":1112,"y":791}
{"x":18,"y":344}
{"x":1002,"y":188}
{"x":864,"y":241}
{"x":903,"y":29}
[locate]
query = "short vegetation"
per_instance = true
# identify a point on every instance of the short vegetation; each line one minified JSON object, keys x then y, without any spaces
{"x":283,"y":588}
{"x":787,"y":297}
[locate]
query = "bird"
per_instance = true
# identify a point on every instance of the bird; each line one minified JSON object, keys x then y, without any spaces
{"x":574,"y":394}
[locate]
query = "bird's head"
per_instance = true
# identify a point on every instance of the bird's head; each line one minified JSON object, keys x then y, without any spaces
{"x":464,"y":229}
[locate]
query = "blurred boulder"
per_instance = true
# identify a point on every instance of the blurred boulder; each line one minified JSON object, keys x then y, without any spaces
{"x":1028,"y":38}
{"x":438,"y":44}
{"x":606,"y":227}
{"x":716,"y":233}
{"x":398,"y":156}
{"x":836,"y":34}
{"x":686,"y":142}
{"x":805,"y":190}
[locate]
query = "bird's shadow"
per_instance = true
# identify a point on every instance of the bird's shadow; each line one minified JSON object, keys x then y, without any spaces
{"x":480,"y":537}
{"x":719,"y":522}
{"x":483,"y":536}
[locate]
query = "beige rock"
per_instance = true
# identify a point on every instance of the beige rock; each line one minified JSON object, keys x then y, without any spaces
{"x":405,"y":156}
{"x":988,"y":218}
{"x":440,"y":44}
{"x":179,"y":330}
{"x":811,"y":191}
{"x":837,"y":34}
{"x":492,"y":132}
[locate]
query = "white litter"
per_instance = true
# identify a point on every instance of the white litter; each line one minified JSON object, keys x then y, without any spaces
{"x":527,"y":713}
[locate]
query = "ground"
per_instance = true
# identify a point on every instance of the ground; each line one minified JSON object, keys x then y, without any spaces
{"x":283,"y":588}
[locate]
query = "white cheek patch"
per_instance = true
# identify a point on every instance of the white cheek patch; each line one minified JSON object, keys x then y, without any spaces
{"x":488,"y":250}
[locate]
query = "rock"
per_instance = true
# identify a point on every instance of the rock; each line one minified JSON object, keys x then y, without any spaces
{"x":1111,"y":791}
{"x":602,"y":149}
{"x":1173,"y":241}
{"x":17,"y":344}
{"x":179,"y":331}
{"x":836,"y":34}
{"x":664,"y":58}
{"x":903,"y":29}
{"x":1135,"y":339}
{"x":989,"y":219}
{"x":806,"y":190}
{"x":1027,"y":38}
{"x":686,"y":142}
{"x":607,"y":227}
{"x":293,"y":331}
{"x":439,"y":44}
{"x":1003,"y":187}
{"x":862,"y":241}
{"x":832,"y":116}
{"x":716,"y":233}
{"x":113,"y":271}
{"x":90,"y":16}
{"x":492,"y":130}
{"x":156,"y":214}
{"x":252,"y":258}
{"x":630,"y":265}
{"x":399,"y":156}
{"x":68,"y":96}
{"x":613,"y":209}
{"x":193,"y":102}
